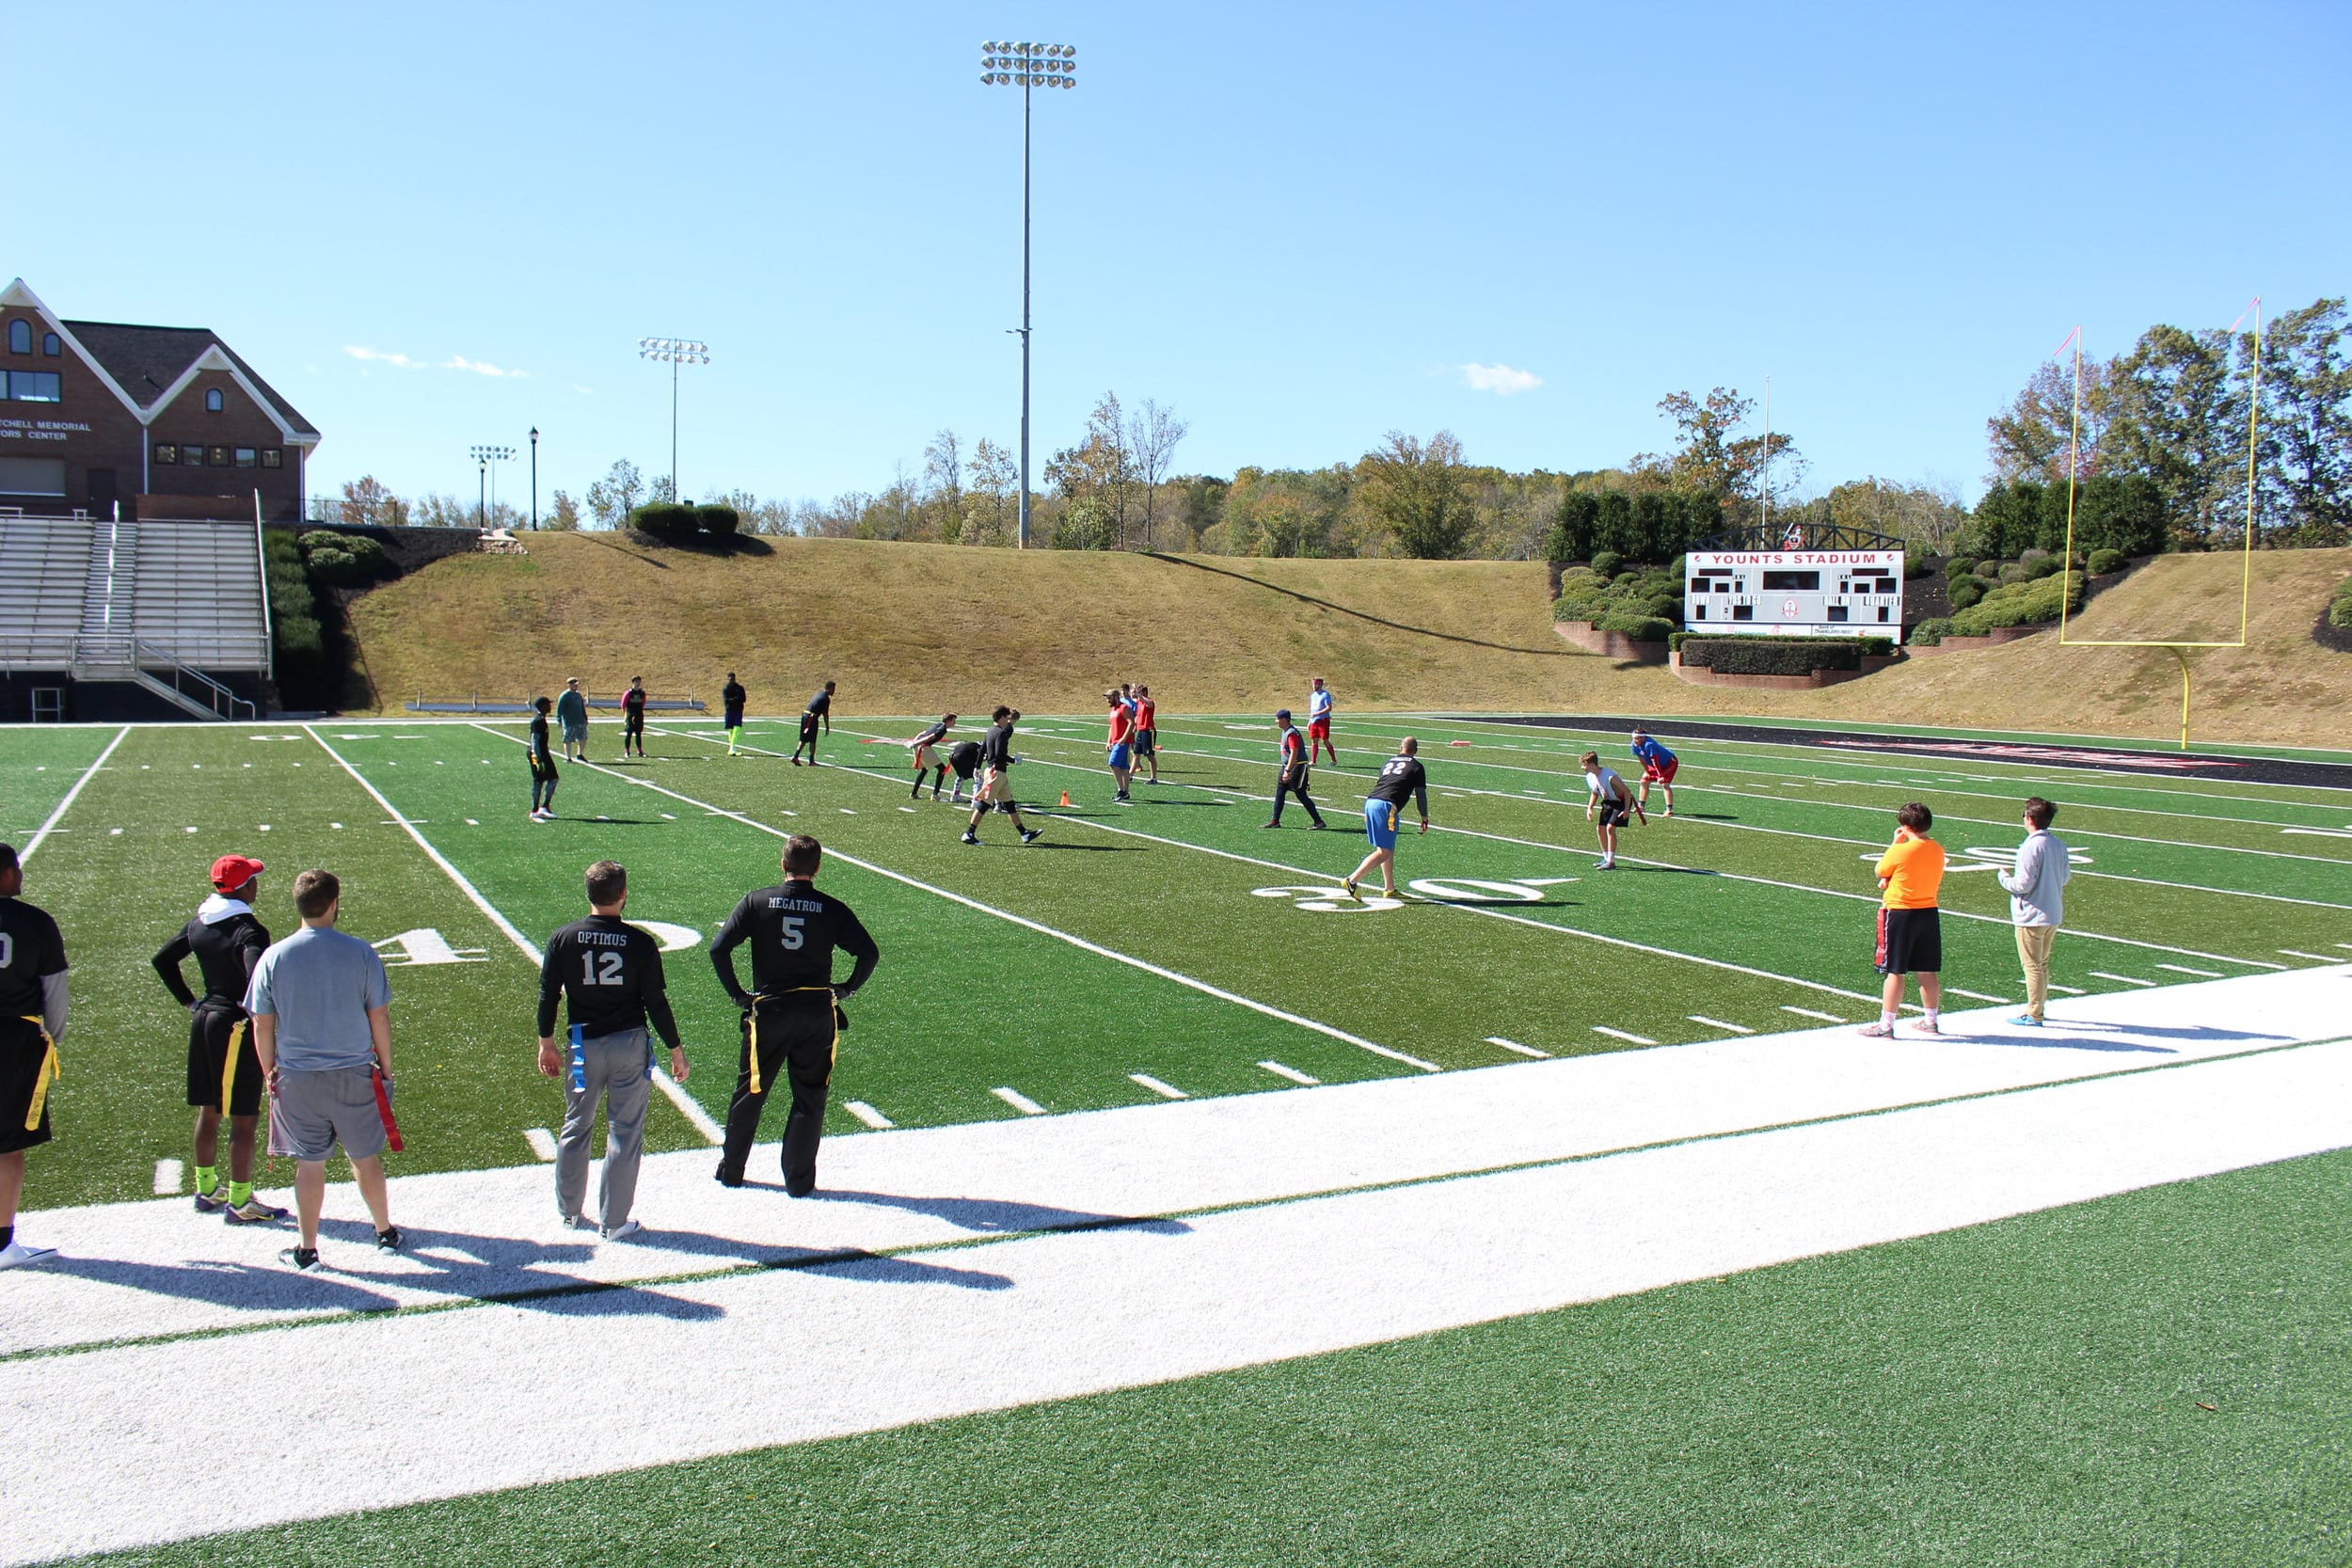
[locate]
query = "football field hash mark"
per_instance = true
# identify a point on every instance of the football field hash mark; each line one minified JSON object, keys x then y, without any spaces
{"x":168,"y":1178}
{"x":1808,"y":1012}
{"x":868,"y":1115}
{"x":1290,"y":1072}
{"x":542,"y":1142}
{"x":2184,"y":969}
{"x":1019,"y":1102}
{"x":1514,"y":1045}
{"x":1622,"y":1035}
{"x":2122,"y":979}
{"x":1164,"y":1090}
{"x":1719,"y":1024}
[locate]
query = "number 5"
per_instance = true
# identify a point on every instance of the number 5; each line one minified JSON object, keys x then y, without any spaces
{"x":792,"y":932}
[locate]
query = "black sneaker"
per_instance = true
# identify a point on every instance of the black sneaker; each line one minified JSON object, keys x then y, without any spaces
{"x":1030,"y":835}
{"x":387,"y":1239}
{"x":971,"y":838}
{"x":730,"y":1179}
{"x":303,"y":1260}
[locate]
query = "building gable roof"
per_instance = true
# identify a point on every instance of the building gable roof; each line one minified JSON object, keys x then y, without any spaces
{"x":146,"y":366}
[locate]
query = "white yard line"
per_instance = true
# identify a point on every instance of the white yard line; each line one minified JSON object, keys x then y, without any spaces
{"x":1622,"y":1035}
{"x":1807,"y":1012}
{"x":1290,"y":1072}
{"x":2184,"y":969}
{"x":41,"y":835}
{"x":1019,"y":1102}
{"x":671,"y":1089}
{"x":1164,"y":1090}
{"x":868,"y":1115}
{"x":542,"y":1142}
{"x":2003,"y":1001}
{"x":1719,"y":1024}
{"x":1514,"y":1045}
{"x":2122,"y":979}
{"x":167,"y":1177}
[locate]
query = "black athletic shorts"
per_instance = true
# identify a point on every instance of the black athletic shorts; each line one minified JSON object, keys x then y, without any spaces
{"x":1147,"y":742}
{"x":1614,"y":813}
{"x":808,"y":726}
{"x":632,"y":723}
{"x":1910,"y":942}
{"x":23,"y":1051}
{"x":212,"y":1028}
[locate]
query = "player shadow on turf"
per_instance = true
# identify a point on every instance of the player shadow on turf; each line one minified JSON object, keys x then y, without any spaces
{"x":1004,"y":1216}
{"x":2190,"y":1035}
{"x":227,"y":1284}
{"x":902,"y":1271}
{"x":1088,"y":849}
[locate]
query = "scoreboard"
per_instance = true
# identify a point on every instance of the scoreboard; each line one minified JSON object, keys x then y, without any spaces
{"x":1795,"y":594}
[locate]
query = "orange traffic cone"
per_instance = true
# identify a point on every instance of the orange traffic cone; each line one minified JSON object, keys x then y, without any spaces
{"x":1065,"y":797}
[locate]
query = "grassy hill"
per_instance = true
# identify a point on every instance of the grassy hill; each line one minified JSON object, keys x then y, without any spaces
{"x":920,"y":627}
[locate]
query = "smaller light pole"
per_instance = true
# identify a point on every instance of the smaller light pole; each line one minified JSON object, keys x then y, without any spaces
{"x":484,"y":456}
{"x":674,"y":352}
{"x":534,"y":479}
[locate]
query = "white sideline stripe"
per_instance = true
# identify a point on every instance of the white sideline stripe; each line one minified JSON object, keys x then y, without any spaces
{"x":1165,"y":1091}
{"x":1719,"y":1024}
{"x":1807,"y":1012}
{"x":1621,"y":1035}
{"x":1019,"y":1102}
{"x":167,"y":1175}
{"x":771,"y":1356}
{"x":688,"y":1107}
{"x":47,"y":828}
{"x":1290,"y":1072}
{"x":2317,"y":832}
{"x":1268,"y":1009}
{"x":2078,"y":990}
{"x":2126,"y":979}
{"x":868,"y":1115}
{"x":2184,"y":969}
{"x":2003,"y":1001}
{"x":542,"y":1142}
{"x":2315,"y":958}
{"x":1514,"y":1045}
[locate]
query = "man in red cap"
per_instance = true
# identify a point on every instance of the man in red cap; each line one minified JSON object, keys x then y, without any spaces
{"x":224,"y":1073}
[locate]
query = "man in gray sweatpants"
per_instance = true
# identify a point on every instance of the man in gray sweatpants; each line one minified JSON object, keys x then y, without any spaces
{"x":609,"y":975}
{"x":2037,"y":903}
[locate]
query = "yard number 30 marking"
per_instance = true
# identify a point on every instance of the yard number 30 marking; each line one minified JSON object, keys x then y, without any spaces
{"x":1328,"y":900}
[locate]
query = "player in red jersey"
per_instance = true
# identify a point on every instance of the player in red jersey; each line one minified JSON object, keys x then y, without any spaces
{"x":1121,"y":743}
{"x":1147,"y":731}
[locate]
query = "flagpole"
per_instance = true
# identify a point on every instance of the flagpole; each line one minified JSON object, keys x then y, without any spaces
{"x":1768,"y":457}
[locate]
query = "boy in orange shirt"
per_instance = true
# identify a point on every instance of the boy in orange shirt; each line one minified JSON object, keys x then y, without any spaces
{"x":1911,"y":936}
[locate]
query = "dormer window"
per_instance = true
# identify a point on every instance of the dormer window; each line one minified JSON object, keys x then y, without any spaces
{"x":19,"y":336}
{"x":50,"y":345}
{"x":212,"y":400}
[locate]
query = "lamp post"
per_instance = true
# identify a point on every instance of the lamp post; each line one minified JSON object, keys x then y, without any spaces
{"x":484,"y":456}
{"x":674,"y":352}
{"x":534,"y":479}
{"x":1026,"y":66}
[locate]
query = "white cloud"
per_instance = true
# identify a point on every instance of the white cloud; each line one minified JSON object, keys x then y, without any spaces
{"x":381,"y":357}
{"x":583,"y":391}
{"x":459,"y":362}
{"x":1501,"y":380}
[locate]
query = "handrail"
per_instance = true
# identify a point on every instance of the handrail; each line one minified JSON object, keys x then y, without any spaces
{"x":224,"y":702}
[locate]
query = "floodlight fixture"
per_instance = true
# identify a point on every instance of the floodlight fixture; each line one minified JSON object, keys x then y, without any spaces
{"x":674,"y":352}
{"x":486,"y":458}
{"x":1026,"y":66}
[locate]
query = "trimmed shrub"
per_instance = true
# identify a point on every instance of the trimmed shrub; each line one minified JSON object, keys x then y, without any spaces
{"x":2340,"y":614}
{"x":1614,"y":534}
{"x":1927,"y":634}
{"x":1877,"y":647}
{"x":664,"y":520}
{"x":293,"y":611}
{"x":2026,"y":557}
{"x":1571,"y":535}
{"x":1771,"y":656}
{"x":2042,"y":566}
{"x":1607,"y":564}
{"x":1957,"y":567}
{"x":718,"y":520}
{"x":1642,"y":628}
{"x":2105,"y":562}
{"x":341,"y":560}
{"x":1989,"y":570}
{"x":1919,"y":566}
{"x":1966,"y":593}
{"x":1679,"y":571}
{"x":2013,"y":574}
{"x":2022,"y":604}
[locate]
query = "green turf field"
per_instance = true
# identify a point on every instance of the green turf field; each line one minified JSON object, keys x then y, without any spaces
{"x":1175,"y":940}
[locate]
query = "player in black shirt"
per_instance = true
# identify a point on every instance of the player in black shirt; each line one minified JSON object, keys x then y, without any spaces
{"x":1291,"y":780}
{"x":32,"y":1020}
{"x":1400,"y":776}
{"x":633,"y":719}
{"x":924,"y":746}
{"x":819,"y":707}
{"x":964,"y":757}
{"x":995,"y":788}
{"x":731,"y":699}
{"x":542,"y":760}
{"x":227,"y":939}
{"x":607,"y":973}
{"x":792,"y":1017}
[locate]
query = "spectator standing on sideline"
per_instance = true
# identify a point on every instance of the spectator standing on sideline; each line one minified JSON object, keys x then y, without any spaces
{"x":1291,"y":780}
{"x":2037,"y":903}
{"x":607,"y":973}
{"x":1910,"y":932}
{"x":571,"y":712}
{"x":227,"y":939}
{"x":633,"y":720}
{"x":32,"y":1020}
{"x":322,"y":1014}
{"x":792,"y":1017}
{"x":543,"y":773}
{"x":731,"y":699}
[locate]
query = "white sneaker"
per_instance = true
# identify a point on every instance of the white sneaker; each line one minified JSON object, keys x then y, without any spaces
{"x":16,"y":1255}
{"x":622,"y":1231}
{"x":1878,"y":1031}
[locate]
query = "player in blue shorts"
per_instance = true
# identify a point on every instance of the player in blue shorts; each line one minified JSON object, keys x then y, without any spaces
{"x":1658,"y":768}
{"x":1400,"y":776}
{"x":1121,"y":744}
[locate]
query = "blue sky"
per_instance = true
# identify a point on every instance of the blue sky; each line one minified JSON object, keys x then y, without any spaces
{"x":1296,"y":225}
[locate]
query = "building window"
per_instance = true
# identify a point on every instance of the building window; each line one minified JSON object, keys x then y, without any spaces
{"x":35,"y":386}
{"x":211,"y":401}
{"x":19,"y":336}
{"x":246,"y":457}
{"x":50,"y":345}
{"x":166,"y":455}
{"x":273,"y":458}
{"x":192,"y":457}
{"x":218,"y":457}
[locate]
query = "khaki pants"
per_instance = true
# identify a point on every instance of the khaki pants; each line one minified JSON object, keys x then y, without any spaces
{"x":2033,"y":951}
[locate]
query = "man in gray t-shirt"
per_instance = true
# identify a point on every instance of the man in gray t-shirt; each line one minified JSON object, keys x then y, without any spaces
{"x":323,"y":1029}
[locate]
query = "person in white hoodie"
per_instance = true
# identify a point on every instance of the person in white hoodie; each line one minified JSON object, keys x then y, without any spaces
{"x":2037,"y":904}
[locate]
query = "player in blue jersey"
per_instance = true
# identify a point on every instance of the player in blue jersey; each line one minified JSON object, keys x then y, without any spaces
{"x":1658,"y":768}
{"x":1319,"y":723}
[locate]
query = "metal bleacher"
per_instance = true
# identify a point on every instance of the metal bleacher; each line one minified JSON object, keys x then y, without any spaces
{"x":153,"y":604}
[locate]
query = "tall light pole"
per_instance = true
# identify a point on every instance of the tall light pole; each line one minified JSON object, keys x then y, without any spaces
{"x":1026,"y":66}
{"x":485,"y":456}
{"x":534,"y":479}
{"x":674,"y":352}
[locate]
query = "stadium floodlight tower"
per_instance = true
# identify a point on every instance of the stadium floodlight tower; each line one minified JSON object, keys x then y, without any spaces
{"x":1026,"y":66}
{"x":486,"y":457}
{"x":674,"y":352}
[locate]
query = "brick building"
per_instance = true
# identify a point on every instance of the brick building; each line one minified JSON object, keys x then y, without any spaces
{"x":166,"y":421}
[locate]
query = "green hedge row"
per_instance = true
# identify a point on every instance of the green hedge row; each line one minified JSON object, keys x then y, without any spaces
{"x":343,"y":558}
{"x":2123,"y":514}
{"x":2340,"y":607}
{"x":1776,"y":656}
{"x":1654,"y":526}
{"x":2035,"y":602}
{"x":294,"y":609}
{"x":680,"y":520}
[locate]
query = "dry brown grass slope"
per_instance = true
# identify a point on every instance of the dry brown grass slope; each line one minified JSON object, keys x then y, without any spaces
{"x":909,"y":628}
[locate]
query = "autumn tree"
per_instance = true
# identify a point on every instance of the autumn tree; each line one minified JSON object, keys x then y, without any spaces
{"x":1153,"y":433}
{"x":1415,"y":493}
{"x":613,"y":497}
{"x":1711,"y":454}
{"x":2028,"y":439}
